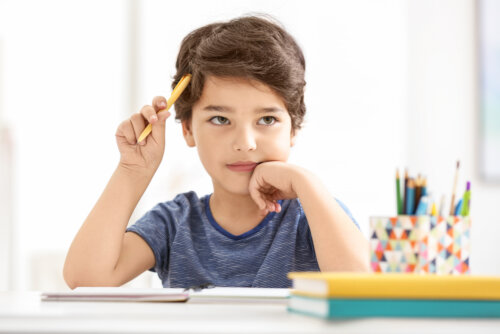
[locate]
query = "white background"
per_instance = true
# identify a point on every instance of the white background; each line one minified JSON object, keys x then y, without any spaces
{"x":389,"y":84}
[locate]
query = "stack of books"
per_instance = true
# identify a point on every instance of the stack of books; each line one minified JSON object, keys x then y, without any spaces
{"x":350,"y":295}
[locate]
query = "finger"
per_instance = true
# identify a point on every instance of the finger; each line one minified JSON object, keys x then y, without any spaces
{"x":256,"y":195}
{"x":125,"y":132}
{"x":149,"y":114}
{"x":159,"y":103}
{"x":277,"y":206}
{"x":158,"y":127}
{"x":138,"y":124}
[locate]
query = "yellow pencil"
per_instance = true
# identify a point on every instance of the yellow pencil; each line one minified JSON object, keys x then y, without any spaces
{"x":179,"y":88}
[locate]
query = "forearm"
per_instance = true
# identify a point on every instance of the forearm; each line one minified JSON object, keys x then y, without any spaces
{"x":338,"y":243}
{"x":96,"y":248}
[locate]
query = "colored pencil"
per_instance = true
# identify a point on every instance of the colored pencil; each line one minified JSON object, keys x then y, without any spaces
{"x":410,"y":197}
{"x":404,"y":191}
{"x":399,"y":201}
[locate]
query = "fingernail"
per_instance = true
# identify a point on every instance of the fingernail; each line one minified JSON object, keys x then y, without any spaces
{"x":161,"y":104}
{"x":153,"y":118}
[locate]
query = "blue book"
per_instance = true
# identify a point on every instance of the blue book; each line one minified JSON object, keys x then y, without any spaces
{"x":355,"y":308}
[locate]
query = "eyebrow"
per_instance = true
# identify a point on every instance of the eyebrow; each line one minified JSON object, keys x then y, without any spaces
{"x":229,"y":109}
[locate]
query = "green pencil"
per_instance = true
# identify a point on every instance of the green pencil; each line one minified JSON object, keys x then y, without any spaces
{"x":466,"y":201}
{"x":399,"y":200}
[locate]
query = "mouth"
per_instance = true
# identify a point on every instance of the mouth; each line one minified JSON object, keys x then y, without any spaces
{"x":242,"y":166}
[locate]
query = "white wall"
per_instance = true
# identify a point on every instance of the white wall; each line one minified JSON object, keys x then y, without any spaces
{"x":384,"y":81}
{"x":6,"y":201}
{"x":444,"y":115}
{"x":64,"y":71}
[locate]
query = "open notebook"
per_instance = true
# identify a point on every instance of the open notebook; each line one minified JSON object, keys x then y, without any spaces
{"x":213,"y":295}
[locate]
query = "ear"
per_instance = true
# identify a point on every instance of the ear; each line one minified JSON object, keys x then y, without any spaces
{"x":187,"y":132}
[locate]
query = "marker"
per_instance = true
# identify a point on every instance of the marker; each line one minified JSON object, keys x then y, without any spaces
{"x":422,"y":206}
{"x":466,"y":201}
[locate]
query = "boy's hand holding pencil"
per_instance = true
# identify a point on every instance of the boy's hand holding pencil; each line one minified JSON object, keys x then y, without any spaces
{"x":138,"y":151}
{"x":146,"y":155}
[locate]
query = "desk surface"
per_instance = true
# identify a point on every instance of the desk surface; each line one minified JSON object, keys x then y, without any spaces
{"x":23,"y":312}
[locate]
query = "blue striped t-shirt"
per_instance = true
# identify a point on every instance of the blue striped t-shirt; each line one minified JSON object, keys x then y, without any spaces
{"x":191,"y":249}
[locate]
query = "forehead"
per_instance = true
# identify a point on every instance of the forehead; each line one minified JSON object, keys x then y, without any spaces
{"x":238,"y":92}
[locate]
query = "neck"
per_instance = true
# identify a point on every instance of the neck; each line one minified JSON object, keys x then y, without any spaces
{"x":237,"y":212}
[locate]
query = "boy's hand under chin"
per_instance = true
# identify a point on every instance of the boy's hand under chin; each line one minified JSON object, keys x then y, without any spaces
{"x":272,"y":181}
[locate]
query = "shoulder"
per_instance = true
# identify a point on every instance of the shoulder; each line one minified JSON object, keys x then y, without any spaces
{"x":182,"y":206}
{"x":184,"y":201}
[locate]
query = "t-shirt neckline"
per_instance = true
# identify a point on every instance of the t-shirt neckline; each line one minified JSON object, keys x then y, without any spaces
{"x":247,"y":234}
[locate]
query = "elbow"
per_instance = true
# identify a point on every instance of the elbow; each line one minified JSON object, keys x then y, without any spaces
{"x":69,"y":278}
{"x":79,"y":279}
{"x":75,"y":278}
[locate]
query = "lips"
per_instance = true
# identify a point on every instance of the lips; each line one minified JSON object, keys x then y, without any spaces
{"x":242,"y":166}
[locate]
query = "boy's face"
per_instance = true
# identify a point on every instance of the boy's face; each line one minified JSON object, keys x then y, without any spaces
{"x":236,"y":120}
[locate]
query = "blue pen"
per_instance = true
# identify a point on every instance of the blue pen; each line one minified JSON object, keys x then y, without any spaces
{"x":458,"y":208}
{"x":410,"y":197}
{"x":422,"y":206}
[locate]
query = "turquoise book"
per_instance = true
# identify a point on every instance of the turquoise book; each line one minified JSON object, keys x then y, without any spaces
{"x":332,"y":308}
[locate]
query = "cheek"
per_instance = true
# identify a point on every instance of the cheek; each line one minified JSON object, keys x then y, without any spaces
{"x":277,"y":149}
{"x":210,"y":150}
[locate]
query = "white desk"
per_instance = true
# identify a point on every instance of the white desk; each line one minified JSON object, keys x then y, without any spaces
{"x":23,"y":312}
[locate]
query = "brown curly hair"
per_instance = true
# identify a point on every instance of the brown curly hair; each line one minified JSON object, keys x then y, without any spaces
{"x":250,"y":47}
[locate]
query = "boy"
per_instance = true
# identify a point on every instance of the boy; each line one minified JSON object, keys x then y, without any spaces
{"x":265,"y":218}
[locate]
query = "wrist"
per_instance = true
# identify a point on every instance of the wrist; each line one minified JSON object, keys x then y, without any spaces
{"x":301,"y":180}
{"x":135,"y":173}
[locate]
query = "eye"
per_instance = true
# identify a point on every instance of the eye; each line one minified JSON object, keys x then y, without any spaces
{"x":268,"y":120}
{"x":219,"y":120}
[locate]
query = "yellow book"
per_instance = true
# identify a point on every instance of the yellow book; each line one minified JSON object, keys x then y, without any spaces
{"x":394,"y":285}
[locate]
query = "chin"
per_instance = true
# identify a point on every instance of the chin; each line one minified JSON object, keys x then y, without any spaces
{"x":237,"y":189}
{"x":238,"y":186}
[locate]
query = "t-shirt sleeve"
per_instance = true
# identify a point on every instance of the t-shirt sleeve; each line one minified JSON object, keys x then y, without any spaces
{"x":346,"y":210}
{"x":158,"y":227}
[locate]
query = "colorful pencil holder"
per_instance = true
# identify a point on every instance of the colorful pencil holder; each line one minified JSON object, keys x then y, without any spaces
{"x":420,"y":244}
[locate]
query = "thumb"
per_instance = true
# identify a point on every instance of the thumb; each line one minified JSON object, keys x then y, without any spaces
{"x":158,"y":127}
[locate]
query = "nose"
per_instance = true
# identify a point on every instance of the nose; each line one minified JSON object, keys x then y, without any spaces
{"x":244,"y":140}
